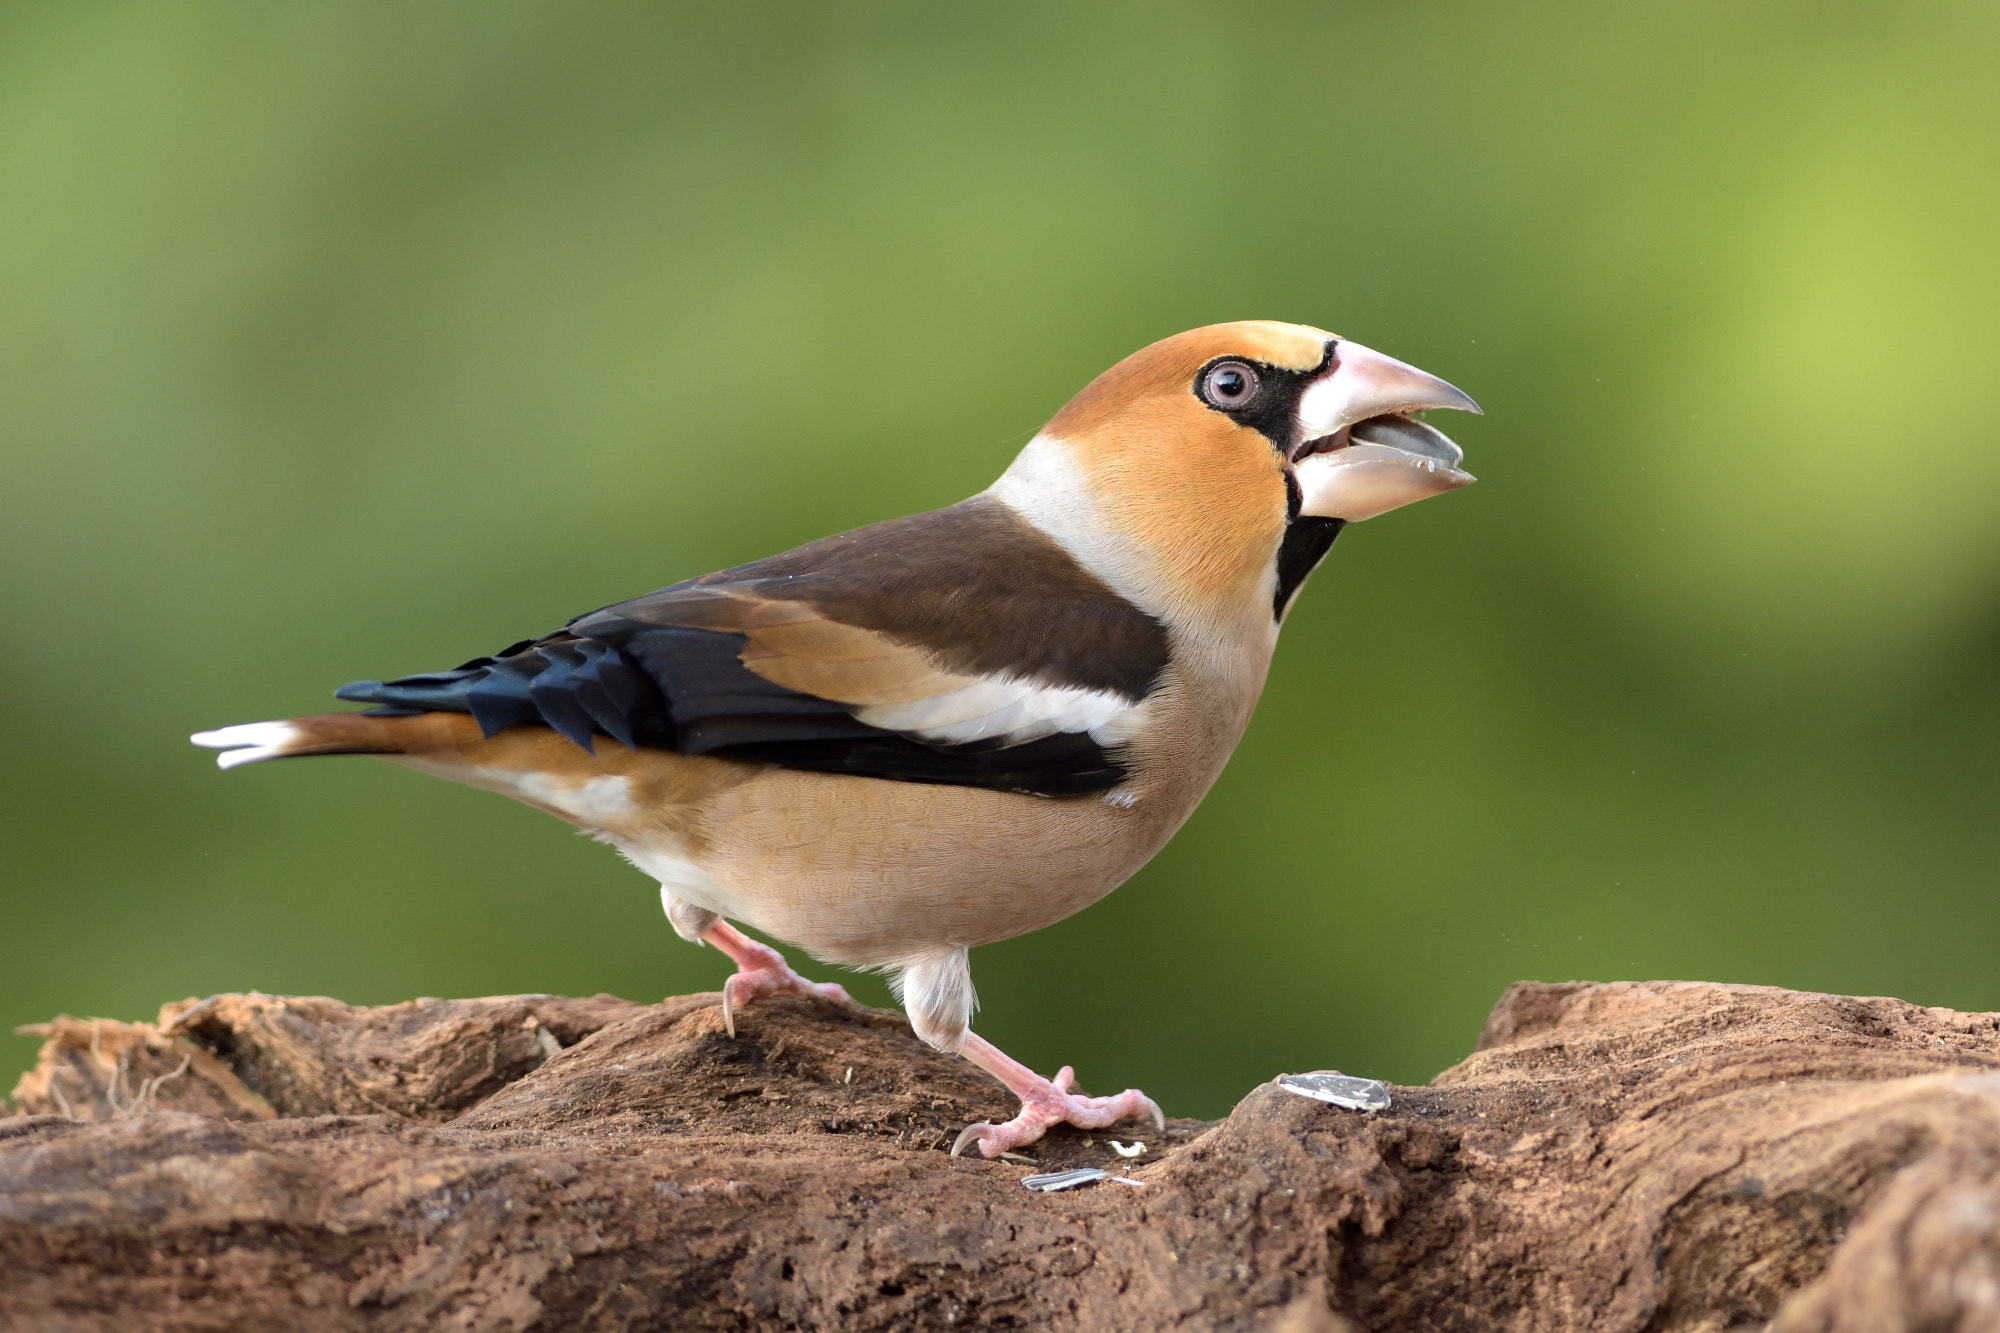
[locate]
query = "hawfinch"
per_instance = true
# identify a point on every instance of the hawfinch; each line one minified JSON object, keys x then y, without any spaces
{"x":932,"y":733}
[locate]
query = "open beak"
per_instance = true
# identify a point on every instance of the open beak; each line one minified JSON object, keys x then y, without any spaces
{"x":1361,"y":452}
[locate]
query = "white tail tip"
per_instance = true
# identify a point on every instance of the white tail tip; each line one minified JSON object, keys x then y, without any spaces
{"x":248,"y":743}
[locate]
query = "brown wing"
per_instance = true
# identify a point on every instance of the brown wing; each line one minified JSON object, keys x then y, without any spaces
{"x":961,"y":646}
{"x":976,"y":586}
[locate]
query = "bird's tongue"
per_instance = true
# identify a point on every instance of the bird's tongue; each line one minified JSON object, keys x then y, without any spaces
{"x":1411,"y":437}
{"x":1403,"y":434}
{"x":1376,"y":465}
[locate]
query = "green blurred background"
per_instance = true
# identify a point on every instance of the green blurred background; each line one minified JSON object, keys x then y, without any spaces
{"x":347,"y":341}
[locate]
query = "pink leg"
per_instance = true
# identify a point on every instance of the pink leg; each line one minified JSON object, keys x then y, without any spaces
{"x":1044,"y":1102}
{"x":760,"y":970}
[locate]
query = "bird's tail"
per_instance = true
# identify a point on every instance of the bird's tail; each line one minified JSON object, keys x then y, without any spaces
{"x":323,"y":733}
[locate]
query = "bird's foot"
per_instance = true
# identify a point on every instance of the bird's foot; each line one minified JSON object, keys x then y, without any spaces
{"x":760,"y":970}
{"x":1044,"y":1102}
{"x":743,"y":987}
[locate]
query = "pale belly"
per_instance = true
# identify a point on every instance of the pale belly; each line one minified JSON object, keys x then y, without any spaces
{"x":867,"y":872}
{"x":862,"y":871}
{"x":858,"y":871}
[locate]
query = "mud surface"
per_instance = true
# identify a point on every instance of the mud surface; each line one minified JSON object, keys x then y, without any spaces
{"x":1634,"y":1156}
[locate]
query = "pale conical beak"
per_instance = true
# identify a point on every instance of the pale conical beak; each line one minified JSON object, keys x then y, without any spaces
{"x":1360,"y":453}
{"x":1362,"y":383}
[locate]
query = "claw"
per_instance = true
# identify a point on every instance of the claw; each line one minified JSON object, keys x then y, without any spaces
{"x":1044,"y":1102}
{"x":743,"y":987}
{"x":760,"y":970}
{"x":972,"y":1134}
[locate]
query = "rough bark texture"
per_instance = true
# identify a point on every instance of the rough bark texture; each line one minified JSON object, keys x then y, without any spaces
{"x":1635,"y":1156}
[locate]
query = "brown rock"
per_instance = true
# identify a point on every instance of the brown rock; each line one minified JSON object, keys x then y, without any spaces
{"x":1656,"y":1156}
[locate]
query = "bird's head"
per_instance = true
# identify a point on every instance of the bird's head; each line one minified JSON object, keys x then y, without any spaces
{"x":1191,"y":472}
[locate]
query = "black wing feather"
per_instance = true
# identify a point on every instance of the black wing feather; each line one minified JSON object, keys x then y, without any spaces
{"x":982,"y":590}
{"x":688,"y":690}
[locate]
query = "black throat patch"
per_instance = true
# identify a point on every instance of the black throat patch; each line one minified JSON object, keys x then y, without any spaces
{"x":1307,"y":540}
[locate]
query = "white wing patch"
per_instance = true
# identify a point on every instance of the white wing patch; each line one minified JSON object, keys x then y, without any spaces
{"x":1011,"y":712}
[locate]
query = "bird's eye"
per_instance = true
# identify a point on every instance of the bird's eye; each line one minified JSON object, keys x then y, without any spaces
{"x":1229,"y":385}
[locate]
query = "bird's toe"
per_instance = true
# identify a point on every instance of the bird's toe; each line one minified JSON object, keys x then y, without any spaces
{"x":1057,"y":1106}
{"x":743,"y":987}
